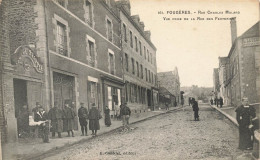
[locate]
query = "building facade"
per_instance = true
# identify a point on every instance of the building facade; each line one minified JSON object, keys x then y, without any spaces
{"x":139,"y":61}
{"x":216,"y":82}
{"x":171,"y":81}
{"x":57,"y":51}
{"x":239,"y":71}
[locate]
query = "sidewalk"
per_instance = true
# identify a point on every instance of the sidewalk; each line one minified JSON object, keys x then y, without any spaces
{"x":35,"y":148}
{"x":228,"y":111}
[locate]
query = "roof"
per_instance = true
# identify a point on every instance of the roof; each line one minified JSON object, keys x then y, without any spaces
{"x":164,"y":91}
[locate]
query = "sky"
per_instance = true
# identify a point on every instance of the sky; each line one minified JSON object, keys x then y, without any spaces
{"x":193,"y":46}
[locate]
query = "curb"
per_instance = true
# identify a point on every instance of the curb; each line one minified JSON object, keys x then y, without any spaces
{"x":56,"y":150}
{"x":232,"y":119}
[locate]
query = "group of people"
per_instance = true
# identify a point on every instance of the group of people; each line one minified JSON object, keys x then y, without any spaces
{"x":64,"y":119}
{"x":217,"y":101}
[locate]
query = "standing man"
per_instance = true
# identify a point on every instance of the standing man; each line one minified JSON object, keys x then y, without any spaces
{"x":211,"y":101}
{"x":195,"y":109}
{"x":94,"y":116}
{"x":215,"y":100}
{"x":166,"y":105}
{"x":125,"y":113}
{"x":244,"y":115}
{"x":221,"y":102}
{"x":83,"y":116}
{"x":36,"y":109}
{"x":56,"y":116}
{"x":69,"y":116}
{"x":41,"y":115}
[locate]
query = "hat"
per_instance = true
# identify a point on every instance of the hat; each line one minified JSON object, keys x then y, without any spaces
{"x":67,"y":101}
{"x":81,"y":103}
{"x":37,"y":103}
{"x":93,"y":104}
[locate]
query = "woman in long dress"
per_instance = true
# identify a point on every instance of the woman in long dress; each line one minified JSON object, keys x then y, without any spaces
{"x":107,"y":117}
{"x":94,"y":116}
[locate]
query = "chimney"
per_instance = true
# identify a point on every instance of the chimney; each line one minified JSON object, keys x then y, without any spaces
{"x":136,"y":19}
{"x":233,"y":25}
{"x":125,"y":4}
{"x":142,"y":25}
{"x":147,"y":34}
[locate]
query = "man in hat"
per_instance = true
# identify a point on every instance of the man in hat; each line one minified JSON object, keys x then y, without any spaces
{"x":195,"y":109}
{"x":125,"y":113}
{"x":56,"y":115}
{"x":41,"y":115}
{"x":83,"y":116}
{"x":36,"y":109}
{"x":94,"y":116}
{"x":69,"y":116}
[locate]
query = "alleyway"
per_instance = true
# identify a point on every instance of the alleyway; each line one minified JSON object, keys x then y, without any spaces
{"x":170,"y":136}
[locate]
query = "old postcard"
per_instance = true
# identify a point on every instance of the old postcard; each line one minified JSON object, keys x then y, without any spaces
{"x":129,"y":79}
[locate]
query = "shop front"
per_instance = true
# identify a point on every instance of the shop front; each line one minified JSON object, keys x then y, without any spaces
{"x":112,"y":94}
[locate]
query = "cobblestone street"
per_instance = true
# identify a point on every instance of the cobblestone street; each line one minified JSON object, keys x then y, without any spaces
{"x":170,"y":136}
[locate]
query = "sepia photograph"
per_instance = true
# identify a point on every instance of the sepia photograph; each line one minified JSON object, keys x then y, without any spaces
{"x":129,"y":79}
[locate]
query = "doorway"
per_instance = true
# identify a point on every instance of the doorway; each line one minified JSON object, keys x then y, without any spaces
{"x":20,"y":99}
{"x":149,"y":100}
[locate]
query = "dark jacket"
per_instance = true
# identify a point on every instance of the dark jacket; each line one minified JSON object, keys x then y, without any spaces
{"x":55,"y":113}
{"x":125,"y":110}
{"x":94,"y":114}
{"x":244,"y":115}
{"x":83,"y":112}
{"x":40,"y":116}
{"x":195,"y":106}
{"x":68,"y":113}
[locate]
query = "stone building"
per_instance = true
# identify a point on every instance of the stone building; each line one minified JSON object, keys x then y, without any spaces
{"x":242,"y":67}
{"x":171,"y":81}
{"x":222,"y":70}
{"x":58,"y":50}
{"x":216,"y":82}
{"x":139,"y":61}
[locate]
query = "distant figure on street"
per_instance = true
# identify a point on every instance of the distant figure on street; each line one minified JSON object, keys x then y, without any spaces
{"x":117,"y":109}
{"x":69,"y":116}
{"x":244,"y":115}
{"x":211,"y":101}
{"x":195,"y":109}
{"x":125,"y":114}
{"x":94,"y":116}
{"x":221,"y":102}
{"x":56,"y":115}
{"x":42,"y":115}
{"x":166,"y":106}
{"x":189,"y":101}
{"x":215,"y":100}
{"x":107,"y":117}
{"x":83,"y":116}
{"x":175,"y":104}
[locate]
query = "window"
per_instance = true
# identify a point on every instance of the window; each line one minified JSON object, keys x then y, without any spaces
{"x":140,"y":46}
{"x":142,"y":74}
{"x":152,"y":76}
{"x":109,"y":31}
{"x":131,"y":39}
{"x":144,"y":52}
{"x":149,"y":76}
{"x":126,"y":62}
{"x":146,"y":77}
{"x":124,"y":32}
{"x":151,"y":58}
{"x":111,"y":64}
{"x":136,"y":44}
{"x":88,"y":12}
{"x":62,"y":39}
{"x":137,"y":69}
{"x":91,"y":53}
{"x":148,"y":56}
{"x":133,"y":66}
